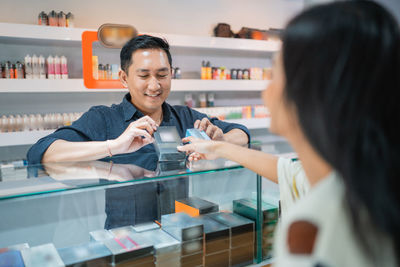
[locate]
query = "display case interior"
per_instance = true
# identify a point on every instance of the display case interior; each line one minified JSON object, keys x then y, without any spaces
{"x":132,"y":209}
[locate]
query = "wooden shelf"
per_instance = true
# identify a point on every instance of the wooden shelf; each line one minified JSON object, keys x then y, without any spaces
{"x":76,"y":85}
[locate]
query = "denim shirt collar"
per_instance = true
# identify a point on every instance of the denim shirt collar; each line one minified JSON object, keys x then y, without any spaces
{"x":130,"y":111}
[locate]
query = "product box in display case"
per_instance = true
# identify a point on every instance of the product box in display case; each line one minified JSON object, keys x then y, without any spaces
{"x":11,"y":255}
{"x":247,"y":207}
{"x":126,"y":250}
{"x":44,"y":255}
{"x":181,"y":226}
{"x":241,"y":237}
{"x":137,"y":206}
{"x":100,"y":235}
{"x":11,"y":258}
{"x":121,"y":232}
{"x":216,"y":235}
{"x":165,"y":246}
{"x":94,"y":253}
{"x":216,"y":242}
{"x":195,"y":206}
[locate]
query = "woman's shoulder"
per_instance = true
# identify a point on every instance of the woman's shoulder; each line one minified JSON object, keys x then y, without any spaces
{"x":318,"y":230}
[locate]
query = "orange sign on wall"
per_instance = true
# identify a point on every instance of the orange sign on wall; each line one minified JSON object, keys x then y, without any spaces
{"x":88,"y":38}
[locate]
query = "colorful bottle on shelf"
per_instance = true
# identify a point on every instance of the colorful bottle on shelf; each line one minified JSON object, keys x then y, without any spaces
{"x":57,"y":67}
{"x":50,"y":67}
{"x":42,"y":67}
{"x":64,"y":68}
{"x":28,"y":67}
{"x":95,"y":67}
{"x":35,"y":67}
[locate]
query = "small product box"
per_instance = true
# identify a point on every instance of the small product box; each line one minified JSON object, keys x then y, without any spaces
{"x":181,"y":226}
{"x":195,"y":206}
{"x":241,"y":229}
{"x":126,"y":249}
{"x":45,"y":256}
{"x":100,"y":235}
{"x":197,"y":133}
{"x":92,"y":253}
{"x":165,"y":246}
{"x":248,"y":208}
{"x":122,"y":231}
{"x":11,"y":258}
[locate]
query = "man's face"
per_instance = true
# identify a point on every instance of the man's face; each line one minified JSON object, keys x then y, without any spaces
{"x":148,"y":79}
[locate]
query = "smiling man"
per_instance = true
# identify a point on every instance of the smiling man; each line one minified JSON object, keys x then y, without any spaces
{"x":128,"y":127}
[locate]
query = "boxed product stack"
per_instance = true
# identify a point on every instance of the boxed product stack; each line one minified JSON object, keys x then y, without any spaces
{"x":248,"y":208}
{"x":216,"y":242}
{"x":126,"y":251}
{"x":90,"y":254}
{"x":167,"y":250}
{"x":241,"y":236}
{"x":189,"y":232}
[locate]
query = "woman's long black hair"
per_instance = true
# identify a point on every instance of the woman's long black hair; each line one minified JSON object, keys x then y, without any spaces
{"x":342,"y":67}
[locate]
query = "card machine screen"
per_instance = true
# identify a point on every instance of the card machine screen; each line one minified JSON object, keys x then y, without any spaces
{"x":167,"y":137}
{"x":166,"y":141}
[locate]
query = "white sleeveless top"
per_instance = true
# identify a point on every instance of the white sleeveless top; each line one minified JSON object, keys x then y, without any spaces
{"x":293,"y":183}
{"x":335,"y":244}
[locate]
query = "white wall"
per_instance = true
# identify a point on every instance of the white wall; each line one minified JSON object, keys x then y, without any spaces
{"x":194,"y":17}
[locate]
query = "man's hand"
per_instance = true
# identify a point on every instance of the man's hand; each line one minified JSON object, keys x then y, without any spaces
{"x":214,"y":132}
{"x":137,"y":135}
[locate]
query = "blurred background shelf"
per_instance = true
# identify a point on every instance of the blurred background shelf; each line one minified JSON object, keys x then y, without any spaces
{"x":76,"y":85}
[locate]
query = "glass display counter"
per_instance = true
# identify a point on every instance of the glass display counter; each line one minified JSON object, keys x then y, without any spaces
{"x":134,"y":211}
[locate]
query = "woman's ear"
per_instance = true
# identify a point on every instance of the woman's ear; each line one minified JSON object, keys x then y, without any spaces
{"x":123,"y":77}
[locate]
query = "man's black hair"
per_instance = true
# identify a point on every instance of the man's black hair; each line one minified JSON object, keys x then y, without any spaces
{"x":142,"y":42}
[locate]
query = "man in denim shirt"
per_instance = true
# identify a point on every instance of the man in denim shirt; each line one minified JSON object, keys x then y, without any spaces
{"x":128,"y":127}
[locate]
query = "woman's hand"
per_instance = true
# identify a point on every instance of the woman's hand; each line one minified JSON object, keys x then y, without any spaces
{"x":199,"y":149}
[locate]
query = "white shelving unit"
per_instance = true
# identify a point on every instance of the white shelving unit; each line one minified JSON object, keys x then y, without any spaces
{"x":45,"y":39}
{"x":253,"y":123}
{"x":28,"y":32}
{"x":31,"y":137}
{"x":76,"y":85}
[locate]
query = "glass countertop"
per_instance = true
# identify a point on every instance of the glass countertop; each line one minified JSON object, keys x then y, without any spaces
{"x":18,"y":181}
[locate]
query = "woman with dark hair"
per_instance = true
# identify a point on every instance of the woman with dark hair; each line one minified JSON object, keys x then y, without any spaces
{"x":333,"y":97}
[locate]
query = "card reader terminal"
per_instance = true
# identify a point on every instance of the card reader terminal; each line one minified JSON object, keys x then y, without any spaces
{"x":166,"y":141}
